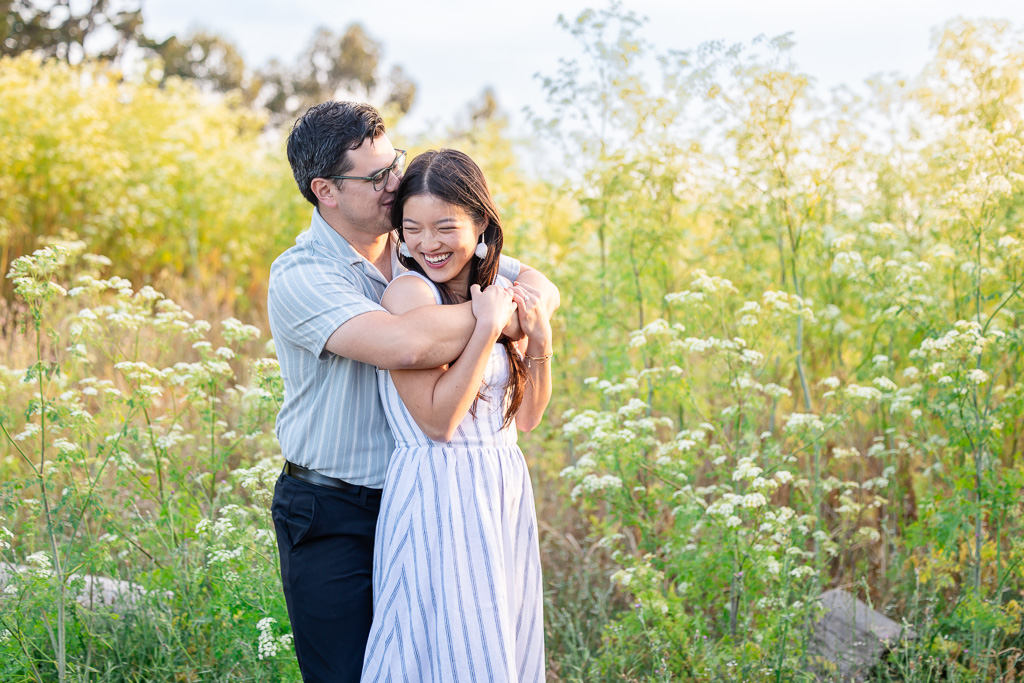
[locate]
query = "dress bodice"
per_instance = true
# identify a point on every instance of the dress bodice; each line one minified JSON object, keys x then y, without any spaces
{"x":482,"y":429}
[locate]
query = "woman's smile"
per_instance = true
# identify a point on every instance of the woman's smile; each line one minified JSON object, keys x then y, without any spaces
{"x":437,"y":260}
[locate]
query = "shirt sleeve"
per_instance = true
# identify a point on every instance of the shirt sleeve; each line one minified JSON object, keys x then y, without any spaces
{"x":509,"y":267}
{"x":308,"y":301}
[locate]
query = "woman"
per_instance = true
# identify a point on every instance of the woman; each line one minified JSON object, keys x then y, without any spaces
{"x":456,"y":579}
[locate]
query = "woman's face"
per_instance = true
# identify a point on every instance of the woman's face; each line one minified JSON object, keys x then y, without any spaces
{"x":441,"y":238}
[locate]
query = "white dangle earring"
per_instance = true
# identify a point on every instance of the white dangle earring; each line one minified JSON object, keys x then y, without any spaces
{"x":481,"y":249}
{"x":403,"y":249}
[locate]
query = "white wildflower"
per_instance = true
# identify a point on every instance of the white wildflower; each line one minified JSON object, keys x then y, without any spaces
{"x":884,"y":383}
{"x":30,"y":430}
{"x":783,"y":477}
{"x":267,"y":645}
{"x":809,"y":421}
{"x":754,"y":500}
{"x":746,"y":469}
{"x":865,"y":393}
{"x":977,"y":376}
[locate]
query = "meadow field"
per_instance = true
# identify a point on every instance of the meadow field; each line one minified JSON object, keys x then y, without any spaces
{"x":788,"y":358}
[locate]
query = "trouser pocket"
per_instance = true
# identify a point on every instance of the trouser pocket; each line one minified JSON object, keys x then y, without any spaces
{"x":293,"y":511}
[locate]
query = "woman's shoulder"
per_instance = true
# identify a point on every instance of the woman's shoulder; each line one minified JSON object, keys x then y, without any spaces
{"x":409,"y":290}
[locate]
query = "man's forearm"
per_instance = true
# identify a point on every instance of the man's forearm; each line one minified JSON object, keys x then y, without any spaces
{"x":435,"y":335}
{"x":422,"y":337}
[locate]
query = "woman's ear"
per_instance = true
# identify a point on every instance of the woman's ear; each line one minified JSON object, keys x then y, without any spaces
{"x":481,"y":227}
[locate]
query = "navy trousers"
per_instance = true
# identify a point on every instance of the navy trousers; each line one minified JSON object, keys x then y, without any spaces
{"x":325,"y":538}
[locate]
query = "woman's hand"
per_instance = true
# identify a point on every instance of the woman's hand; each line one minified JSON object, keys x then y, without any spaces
{"x":533,"y":317}
{"x":493,"y":307}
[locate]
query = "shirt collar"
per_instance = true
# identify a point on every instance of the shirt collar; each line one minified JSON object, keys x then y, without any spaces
{"x":327,"y":238}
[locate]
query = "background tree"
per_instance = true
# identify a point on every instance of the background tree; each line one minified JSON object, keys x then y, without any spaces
{"x":56,"y":29}
{"x":332,"y":67}
{"x":207,"y":58}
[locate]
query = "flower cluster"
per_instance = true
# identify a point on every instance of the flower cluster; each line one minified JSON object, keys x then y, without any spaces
{"x":267,"y":644}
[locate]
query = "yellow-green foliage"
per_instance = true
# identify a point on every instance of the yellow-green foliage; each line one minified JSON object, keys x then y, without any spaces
{"x":163,"y":180}
{"x":789,"y":358}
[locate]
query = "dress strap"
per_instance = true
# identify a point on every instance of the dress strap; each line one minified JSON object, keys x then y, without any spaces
{"x":433,"y":287}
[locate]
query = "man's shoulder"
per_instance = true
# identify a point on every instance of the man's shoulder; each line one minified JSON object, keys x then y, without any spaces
{"x":304,"y":261}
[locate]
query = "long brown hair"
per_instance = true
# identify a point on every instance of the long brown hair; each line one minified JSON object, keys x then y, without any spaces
{"x":454,"y":178}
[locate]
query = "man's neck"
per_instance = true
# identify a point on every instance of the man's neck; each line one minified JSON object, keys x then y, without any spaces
{"x":378,"y":253}
{"x":374,"y":248}
{"x":370,"y":247}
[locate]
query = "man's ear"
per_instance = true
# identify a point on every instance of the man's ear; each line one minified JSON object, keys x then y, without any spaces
{"x":325,"y":191}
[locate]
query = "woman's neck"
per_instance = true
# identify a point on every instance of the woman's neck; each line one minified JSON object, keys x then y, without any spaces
{"x":458,"y":286}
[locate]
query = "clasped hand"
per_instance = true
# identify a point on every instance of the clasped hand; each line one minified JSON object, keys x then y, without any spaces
{"x":493,"y":307}
{"x":516,"y":310}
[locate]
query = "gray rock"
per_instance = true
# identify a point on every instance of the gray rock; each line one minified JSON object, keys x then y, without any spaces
{"x":851,"y":638}
{"x":95,"y":593}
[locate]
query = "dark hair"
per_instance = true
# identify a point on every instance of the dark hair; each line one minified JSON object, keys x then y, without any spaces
{"x":454,"y":178}
{"x":319,"y":142}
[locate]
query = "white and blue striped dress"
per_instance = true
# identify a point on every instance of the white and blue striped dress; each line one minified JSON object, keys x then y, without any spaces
{"x":457,"y":592}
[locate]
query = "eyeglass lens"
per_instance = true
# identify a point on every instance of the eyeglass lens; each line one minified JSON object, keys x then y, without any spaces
{"x":380,"y":179}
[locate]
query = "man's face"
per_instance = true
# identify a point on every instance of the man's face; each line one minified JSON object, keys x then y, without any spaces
{"x":364,"y":209}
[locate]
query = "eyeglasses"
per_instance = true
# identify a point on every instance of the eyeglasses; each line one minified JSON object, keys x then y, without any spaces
{"x":381,"y":177}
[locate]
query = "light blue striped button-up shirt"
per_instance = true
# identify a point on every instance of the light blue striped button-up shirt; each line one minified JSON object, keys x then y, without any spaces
{"x":332,"y":420}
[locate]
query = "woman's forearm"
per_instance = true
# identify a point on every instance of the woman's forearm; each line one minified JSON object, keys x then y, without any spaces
{"x":453,"y":393}
{"x":537,"y":393}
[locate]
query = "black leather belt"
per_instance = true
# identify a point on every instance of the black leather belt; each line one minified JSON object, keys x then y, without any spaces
{"x":313,"y":477}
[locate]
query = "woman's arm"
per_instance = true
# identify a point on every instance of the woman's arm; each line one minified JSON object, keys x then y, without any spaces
{"x":537,"y":349}
{"x":439,"y":398}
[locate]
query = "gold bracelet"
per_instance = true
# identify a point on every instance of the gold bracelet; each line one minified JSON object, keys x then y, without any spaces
{"x":540,"y":359}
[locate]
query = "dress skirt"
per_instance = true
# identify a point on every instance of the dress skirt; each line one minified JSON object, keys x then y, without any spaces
{"x":457,"y":593}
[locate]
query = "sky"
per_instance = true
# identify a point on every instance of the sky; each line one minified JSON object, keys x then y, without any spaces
{"x":453,"y":49}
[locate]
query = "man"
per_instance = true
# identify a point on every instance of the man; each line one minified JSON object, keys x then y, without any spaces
{"x":331,"y":333}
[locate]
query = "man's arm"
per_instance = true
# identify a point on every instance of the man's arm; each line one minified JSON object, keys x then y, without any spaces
{"x":424,"y":337}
